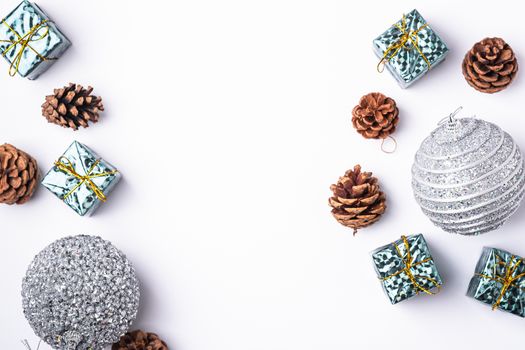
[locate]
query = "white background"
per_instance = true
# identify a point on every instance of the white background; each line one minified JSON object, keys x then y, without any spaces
{"x":229,"y":121}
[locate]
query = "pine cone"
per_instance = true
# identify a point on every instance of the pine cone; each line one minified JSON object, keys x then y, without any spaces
{"x":18,"y":175}
{"x":376,"y":116}
{"x":357,"y":199}
{"x":72,"y":106}
{"x":140,"y":340}
{"x":490,"y":66}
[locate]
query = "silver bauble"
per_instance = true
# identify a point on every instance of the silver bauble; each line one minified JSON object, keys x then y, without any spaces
{"x":80,"y":293}
{"x":468,"y":176}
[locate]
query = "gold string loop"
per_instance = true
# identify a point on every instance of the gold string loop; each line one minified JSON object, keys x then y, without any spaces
{"x":507,"y":280}
{"x":66,"y":166}
{"x":388,"y":151}
{"x":409,"y":263}
{"x":407,"y":37}
{"x":25,"y":43}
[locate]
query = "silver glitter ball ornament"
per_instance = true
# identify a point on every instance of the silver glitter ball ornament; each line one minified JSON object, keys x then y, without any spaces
{"x":80,"y":293}
{"x":468,"y":176}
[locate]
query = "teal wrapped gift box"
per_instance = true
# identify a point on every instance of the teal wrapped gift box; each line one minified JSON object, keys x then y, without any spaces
{"x":30,"y":41}
{"x":81,"y":179}
{"x":409,"y":49}
{"x":406,"y":268}
{"x":499,"y":280}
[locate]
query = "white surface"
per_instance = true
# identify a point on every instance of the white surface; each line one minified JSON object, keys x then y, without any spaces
{"x":227,"y":159}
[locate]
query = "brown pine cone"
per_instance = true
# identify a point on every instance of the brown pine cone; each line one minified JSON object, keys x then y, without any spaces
{"x":376,"y":116}
{"x":18,"y":175}
{"x":357,"y":199}
{"x":72,"y":106}
{"x":139,"y":340}
{"x":490,"y":66}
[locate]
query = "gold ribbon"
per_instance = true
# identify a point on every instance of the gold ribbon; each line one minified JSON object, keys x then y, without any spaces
{"x":507,"y":280}
{"x":65,"y":165}
{"x":25,"y":43}
{"x":406,"y":36}
{"x":409,"y":263}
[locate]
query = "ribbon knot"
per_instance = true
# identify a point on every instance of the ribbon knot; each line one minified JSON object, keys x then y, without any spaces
{"x":409,"y":263}
{"x":25,"y":43}
{"x":65,"y":165}
{"x":409,"y":40}
{"x":508,"y":279}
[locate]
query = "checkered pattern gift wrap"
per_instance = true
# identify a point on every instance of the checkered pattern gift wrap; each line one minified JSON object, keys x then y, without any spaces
{"x":499,"y":280}
{"x":81,"y":179}
{"x":409,"y":49}
{"x":406,"y":268}
{"x":30,"y":41}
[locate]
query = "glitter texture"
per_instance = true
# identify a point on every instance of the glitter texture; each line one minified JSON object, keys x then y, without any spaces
{"x":468,"y":176}
{"x":80,"y":293}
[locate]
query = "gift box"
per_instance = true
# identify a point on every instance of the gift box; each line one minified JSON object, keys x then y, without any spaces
{"x":499,"y":280}
{"x":81,"y":179}
{"x":406,"y":268}
{"x":30,"y":41}
{"x":409,"y":49}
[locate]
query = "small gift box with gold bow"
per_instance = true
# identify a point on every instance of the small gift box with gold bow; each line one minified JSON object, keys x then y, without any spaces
{"x":81,"y":179}
{"x":499,"y":280}
{"x":409,"y":49}
{"x":30,"y":41}
{"x":406,"y":268}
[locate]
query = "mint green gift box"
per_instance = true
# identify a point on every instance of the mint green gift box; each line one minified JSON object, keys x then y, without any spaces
{"x":409,"y":49}
{"x":499,"y":280}
{"x":81,"y":179}
{"x":30,"y":41}
{"x":406,"y":268}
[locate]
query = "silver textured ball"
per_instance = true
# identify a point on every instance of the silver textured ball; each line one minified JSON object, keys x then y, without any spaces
{"x":80,"y":293}
{"x":468,"y":176}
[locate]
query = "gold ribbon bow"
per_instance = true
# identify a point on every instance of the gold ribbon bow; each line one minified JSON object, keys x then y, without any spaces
{"x":65,"y":165}
{"x":406,"y":37}
{"x":25,"y":43}
{"x":409,"y":263}
{"x":507,"y":280}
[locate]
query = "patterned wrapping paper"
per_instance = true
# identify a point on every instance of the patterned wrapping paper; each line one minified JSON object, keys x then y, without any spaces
{"x":405,"y":273}
{"x":409,"y":65}
{"x":76,"y":193}
{"x":46,"y":40}
{"x":499,"y":280}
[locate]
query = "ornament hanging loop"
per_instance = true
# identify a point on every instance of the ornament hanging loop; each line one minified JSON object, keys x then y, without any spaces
{"x":25,"y":342}
{"x":394,"y":147}
{"x":452,"y":123}
{"x":451,"y":117}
